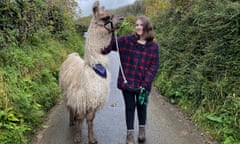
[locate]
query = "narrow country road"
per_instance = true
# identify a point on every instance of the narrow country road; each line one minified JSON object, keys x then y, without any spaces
{"x":165,"y":125}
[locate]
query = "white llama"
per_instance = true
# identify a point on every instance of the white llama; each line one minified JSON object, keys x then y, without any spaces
{"x":85,"y":91}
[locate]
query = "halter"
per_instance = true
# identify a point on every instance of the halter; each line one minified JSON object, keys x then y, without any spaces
{"x":109,"y":21}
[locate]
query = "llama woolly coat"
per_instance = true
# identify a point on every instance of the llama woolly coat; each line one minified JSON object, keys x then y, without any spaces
{"x":82,"y":88}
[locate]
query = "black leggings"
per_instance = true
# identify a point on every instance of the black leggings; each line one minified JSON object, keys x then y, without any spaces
{"x":130,"y":99}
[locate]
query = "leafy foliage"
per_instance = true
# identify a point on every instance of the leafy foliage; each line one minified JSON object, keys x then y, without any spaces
{"x":137,"y":8}
{"x":199,"y":46}
{"x":126,"y":28}
{"x":35,"y":39}
{"x":153,"y":7}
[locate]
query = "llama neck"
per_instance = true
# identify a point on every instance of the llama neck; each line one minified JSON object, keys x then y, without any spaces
{"x":97,"y":38}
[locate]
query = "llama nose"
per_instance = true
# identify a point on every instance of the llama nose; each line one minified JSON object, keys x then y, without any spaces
{"x":121,"y":19}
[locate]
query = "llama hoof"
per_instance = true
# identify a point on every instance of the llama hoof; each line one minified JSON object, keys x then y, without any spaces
{"x":95,"y":142}
{"x":92,"y":139}
{"x":77,"y":139}
{"x":72,"y":123}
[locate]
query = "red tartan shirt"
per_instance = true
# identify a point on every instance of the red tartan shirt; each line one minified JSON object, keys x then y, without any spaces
{"x":139,"y":62}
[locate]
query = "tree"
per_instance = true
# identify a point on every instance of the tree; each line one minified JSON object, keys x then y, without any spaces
{"x":152,"y":7}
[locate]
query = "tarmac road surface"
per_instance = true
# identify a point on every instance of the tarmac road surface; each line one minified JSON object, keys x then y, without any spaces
{"x":166,"y":124}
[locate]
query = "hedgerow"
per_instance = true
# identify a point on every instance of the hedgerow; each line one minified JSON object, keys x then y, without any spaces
{"x":200,"y":61}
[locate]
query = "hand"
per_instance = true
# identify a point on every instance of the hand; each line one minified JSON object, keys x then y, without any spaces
{"x":143,"y":96}
{"x":103,"y":52}
{"x":132,"y":89}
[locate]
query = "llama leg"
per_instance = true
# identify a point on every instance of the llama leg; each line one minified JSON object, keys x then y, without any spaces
{"x":72,"y":117}
{"x":79,"y":120}
{"x":91,"y":136}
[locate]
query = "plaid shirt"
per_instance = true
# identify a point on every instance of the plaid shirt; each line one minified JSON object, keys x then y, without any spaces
{"x":139,"y":62}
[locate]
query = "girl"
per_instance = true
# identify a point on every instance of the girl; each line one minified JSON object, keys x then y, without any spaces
{"x":139,"y":56}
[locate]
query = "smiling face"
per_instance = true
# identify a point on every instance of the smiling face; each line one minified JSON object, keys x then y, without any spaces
{"x":139,"y":27}
{"x":143,"y":28}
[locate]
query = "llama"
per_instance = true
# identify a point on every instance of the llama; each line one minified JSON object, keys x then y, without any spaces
{"x":84,"y":90}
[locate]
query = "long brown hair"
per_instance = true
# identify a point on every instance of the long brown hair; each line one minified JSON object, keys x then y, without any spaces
{"x":148,"y":33}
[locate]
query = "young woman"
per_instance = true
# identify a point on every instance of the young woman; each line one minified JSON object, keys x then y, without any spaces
{"x":139,"y":56}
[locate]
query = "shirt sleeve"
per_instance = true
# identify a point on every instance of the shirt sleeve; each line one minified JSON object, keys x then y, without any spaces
{"x":111,"y":46}
{"x":152,"y":69}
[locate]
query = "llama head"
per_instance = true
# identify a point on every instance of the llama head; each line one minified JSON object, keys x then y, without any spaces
{"x":99,"y":34}
{"x":105,"y":18}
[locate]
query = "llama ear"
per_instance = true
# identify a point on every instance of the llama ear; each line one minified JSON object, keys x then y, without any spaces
{"x":101,"y":10}
{"x":95,"y":7}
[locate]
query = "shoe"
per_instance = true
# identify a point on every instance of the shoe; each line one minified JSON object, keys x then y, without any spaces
{"x":142,"y":135}
{"x":130,"y":137}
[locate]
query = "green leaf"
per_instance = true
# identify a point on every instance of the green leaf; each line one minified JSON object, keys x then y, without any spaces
{"x":214,"y":118}
{"x":12,"y":117}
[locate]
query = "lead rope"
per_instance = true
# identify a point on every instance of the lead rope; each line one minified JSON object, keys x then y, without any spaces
{"x":121,"y":68}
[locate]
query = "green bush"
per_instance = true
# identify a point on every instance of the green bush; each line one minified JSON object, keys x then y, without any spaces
{"x":35,"y":39}
{"x":29,"y":83}
{"x":125,"y":28}
{"x":200,"y":59}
